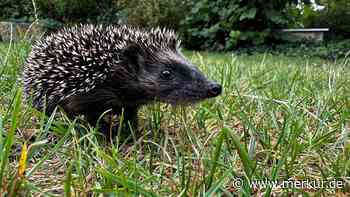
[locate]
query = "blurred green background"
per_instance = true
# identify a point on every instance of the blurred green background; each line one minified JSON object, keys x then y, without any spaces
{"x":221,"y":25}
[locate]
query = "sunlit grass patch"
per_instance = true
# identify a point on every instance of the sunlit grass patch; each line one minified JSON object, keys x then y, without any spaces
{"x":278,"y":118}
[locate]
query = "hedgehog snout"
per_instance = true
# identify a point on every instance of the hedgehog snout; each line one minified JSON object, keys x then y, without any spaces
{"x":209,"y":88}
{"x":214,"y":89}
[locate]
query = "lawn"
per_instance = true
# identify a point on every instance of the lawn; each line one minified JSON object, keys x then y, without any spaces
{"x":278,"y":119}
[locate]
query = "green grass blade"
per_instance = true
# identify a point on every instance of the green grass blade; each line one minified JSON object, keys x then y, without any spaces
{"x":68,"y":182}
{"x":242,"y":152}
{"x":219,"y":183}
{"x":216,"y":156}
{"x":126,"y":182}
{"x":10,"y":135}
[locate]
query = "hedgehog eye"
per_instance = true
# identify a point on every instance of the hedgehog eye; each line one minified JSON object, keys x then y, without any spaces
{"x":166,"y":75}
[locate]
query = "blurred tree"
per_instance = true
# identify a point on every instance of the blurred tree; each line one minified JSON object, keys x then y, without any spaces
{"x":335,"y":15}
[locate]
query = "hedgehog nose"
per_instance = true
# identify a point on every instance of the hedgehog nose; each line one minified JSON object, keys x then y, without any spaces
{"x":214,"y":89}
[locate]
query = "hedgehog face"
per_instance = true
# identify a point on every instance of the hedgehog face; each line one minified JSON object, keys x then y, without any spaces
{"x":172,"y":79}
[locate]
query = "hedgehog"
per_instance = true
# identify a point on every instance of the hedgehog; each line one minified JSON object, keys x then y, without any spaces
{"x":90,"y":69}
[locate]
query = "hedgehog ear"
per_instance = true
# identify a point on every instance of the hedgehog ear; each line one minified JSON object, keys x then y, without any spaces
{"x":134,"y":57}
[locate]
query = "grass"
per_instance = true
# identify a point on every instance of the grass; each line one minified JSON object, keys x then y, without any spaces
{"x":278,"y":118}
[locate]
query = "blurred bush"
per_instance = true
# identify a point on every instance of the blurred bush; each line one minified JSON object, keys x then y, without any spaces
{"x":53,"y":13}
{"x":76,"y":11}
{"x":16,"y":10}
{"x":150,"y":13}
{"x":227,"y":24}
